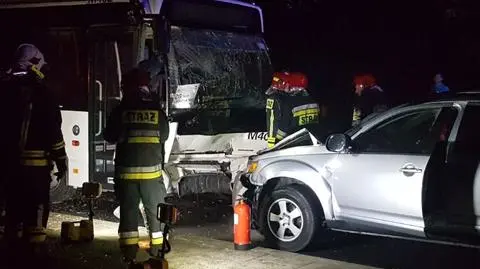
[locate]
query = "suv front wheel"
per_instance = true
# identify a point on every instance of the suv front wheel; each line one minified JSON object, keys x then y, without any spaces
{"x":289,"y":222}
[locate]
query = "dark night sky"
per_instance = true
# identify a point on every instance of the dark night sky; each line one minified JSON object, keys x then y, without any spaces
{"x":404,"y":43}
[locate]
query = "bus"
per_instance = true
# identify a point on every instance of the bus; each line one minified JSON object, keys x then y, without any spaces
{"x":214,"y":68}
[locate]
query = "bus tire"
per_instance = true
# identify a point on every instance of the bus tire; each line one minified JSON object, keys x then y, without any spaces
{"x":60,"y":191}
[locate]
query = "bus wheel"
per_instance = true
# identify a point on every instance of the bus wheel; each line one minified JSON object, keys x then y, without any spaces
{"x":59,"y":190}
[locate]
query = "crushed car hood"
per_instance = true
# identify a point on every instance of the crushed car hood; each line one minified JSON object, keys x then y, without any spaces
{"x":300,"y":138}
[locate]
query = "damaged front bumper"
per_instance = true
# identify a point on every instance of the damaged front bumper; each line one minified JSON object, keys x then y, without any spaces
{"x":205,"y":173}
{"x":199,"y":173}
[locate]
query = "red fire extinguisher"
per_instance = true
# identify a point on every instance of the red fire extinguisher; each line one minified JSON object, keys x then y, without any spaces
{"x":241,"y":226}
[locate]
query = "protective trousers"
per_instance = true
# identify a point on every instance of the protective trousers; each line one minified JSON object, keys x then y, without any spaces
{"x":130,"y":193}
{"x":28,"y":206}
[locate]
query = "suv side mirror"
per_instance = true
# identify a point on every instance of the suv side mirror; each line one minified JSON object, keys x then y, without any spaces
{"x":337,"y":142}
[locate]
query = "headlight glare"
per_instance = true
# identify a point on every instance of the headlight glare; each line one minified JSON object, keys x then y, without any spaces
{"x":252,"y":167}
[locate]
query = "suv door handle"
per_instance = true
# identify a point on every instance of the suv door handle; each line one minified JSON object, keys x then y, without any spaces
{"x":410,"y":169}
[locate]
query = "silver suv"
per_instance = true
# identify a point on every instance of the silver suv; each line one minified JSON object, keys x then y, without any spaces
{"x":411,"y":172}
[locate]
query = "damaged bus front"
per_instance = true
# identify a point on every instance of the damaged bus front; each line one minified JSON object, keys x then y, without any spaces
{"x":217,"y":77}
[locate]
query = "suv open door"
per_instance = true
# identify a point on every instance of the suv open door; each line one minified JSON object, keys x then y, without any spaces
{"x":452,"y":186}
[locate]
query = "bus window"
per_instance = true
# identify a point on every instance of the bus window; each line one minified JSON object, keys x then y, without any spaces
{"x":66,"y":73}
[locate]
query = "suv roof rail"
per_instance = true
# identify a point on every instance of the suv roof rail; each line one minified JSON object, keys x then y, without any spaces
{"x":468,"y":92}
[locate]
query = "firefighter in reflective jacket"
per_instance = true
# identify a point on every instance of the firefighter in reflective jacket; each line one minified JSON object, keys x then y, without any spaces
{"x":139,"y":128}
{"x":289,"y":106}
{"x":40,"y":146}
{"x":369,"y":98}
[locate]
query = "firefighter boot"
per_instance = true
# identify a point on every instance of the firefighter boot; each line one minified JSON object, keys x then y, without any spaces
{"x":130,"y":262}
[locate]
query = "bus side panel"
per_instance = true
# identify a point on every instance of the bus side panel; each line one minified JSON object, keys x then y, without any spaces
{"x":75,"y":133}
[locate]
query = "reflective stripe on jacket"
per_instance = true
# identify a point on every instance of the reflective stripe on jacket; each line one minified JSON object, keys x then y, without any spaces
{"x":140,"y":130}
{"x":305,"y":114}
{"x":287,"y":114}
{"x":139,"y":173}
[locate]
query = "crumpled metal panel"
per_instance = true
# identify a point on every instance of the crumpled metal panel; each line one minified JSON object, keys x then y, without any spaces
{"x":204,"y":183}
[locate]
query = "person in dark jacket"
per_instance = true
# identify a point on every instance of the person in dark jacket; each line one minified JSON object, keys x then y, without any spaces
{"x":289,"y":107}
{"x":36,"y":143}
{"x":139,"y":128}
{"x":369,"y":98}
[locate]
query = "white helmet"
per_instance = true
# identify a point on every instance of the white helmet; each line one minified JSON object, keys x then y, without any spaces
{"x":28,"y":55}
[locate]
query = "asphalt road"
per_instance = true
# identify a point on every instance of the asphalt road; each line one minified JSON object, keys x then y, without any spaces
{"x":211,"y":216}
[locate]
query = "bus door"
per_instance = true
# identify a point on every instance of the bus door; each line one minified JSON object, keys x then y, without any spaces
{"x":112,"y":52}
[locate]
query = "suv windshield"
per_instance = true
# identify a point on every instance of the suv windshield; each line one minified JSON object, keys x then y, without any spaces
{"x":217,"y":81}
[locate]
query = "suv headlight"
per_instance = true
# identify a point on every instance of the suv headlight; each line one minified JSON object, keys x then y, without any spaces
{"x":252,"y":167}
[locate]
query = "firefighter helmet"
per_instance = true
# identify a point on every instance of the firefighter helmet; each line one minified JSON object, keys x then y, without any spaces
{"x":29,"y":57}
{"x":288,"y":82}
{"x":280,"y":81}
{"x":366,"y":80}
{"x":298,"y":82}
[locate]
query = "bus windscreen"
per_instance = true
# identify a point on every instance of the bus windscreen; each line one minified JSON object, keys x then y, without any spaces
{"x":229,"y":73}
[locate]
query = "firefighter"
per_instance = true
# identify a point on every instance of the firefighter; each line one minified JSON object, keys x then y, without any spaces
{"x":37,"y":143}
{"x":289,"y":107}
{"x":139,"y":128}
{"x":369,"y":98}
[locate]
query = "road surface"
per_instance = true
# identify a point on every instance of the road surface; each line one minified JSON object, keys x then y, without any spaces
{"x":211,"y":217}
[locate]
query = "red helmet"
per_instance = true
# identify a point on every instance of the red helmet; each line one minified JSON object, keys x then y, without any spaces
{"x":367,"y":80}
{"x":287,"y":82}
{"x":299,"y":80}
{"x":280,"y":81}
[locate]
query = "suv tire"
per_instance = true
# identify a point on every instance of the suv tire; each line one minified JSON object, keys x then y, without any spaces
{"x":292,"y":208}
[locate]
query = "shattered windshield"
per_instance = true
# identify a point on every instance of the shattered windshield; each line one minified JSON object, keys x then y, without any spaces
{"x":217,"y":81}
